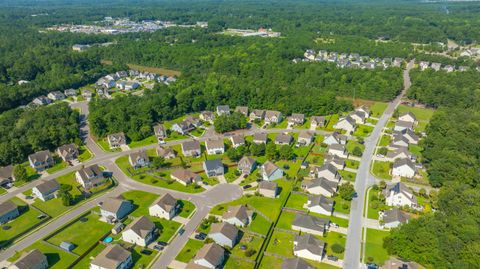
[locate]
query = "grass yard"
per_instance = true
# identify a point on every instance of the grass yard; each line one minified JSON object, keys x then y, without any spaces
{"x":340,"y":221}
{"x":352,"y":164}
{"x":296,"y":201}
{"x":235,"y":263}
{"x":197,"y":132}
{"x":374,"y":250}
{"x":251,"y":242}
{"x":59,"y":165}
{"x":385,"y":140}
{"x":341,"y":206}
{"x":422,"y":114}
{"x":186,"y":208}
{"x":189,"y":250}
{"x":57,"y":259}
{"x":85,"y":262}
{"x":363,"y":130}
{"x":374,"y":204}
{"x":347,"y":175}
{"x":331,"y":120}
{"x":259,"y":225}
{"x":382,"y":169}
{"x":103,"y":143}
{"x":293,"y":167}
{"x":145,"y":142}
{"x":84,"y":154}
{"x":271,"y":262}
{"x":332,"y":238}
{"x":281,"y":243}
{"x":285,"y":220}
{"x":155,"y":70}
{"x":142,"y":260}
{"x":351,"y":144}
{"x":377,"y":109}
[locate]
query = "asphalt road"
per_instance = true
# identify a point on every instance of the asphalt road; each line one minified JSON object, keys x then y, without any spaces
{"x":364,"y":180}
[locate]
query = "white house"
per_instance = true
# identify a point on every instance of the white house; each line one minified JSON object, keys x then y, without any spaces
{"x":393,"y":218}
{"x":327,"y":171}
{"x":319,"y":204}
{"x":320,"y":186}
{"x":403,"y":168}
{"x":46,"y":190}
{"x":338,"y":150}
{"x":408,"y":116}
{"x":346,"y":123}
{"x":215,"y":146}
{"x":165,"y":207}
{"x":237,"y":215}
{"x":140,"y":232}
{"x":399,"y":195}
{"x":270,"y":171}
{"x":113,"y":256}
{"x":210,"y":256}
{"x":335,"y":138}
{"x":308,"y":247}
{"x":273,"y":117}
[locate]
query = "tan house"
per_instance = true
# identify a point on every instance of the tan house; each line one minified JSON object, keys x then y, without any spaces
{"x":185,"y":177}
{"x":268,"y":189}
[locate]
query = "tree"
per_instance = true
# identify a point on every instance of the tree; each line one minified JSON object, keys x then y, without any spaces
{"x":225,"y":123}
{"x":257,"y":149}
{"x":158,"y":162}
{"x":65,"y":195}
{"x":234,"y":154}
{"x":337,"y":248}
{"x":286,"y":152}
{"x":346,"y":191}
{"x":20,"y":173}
{"x":271,"y":151}
{"x":383,"y":151}
{"x":357,"y":151}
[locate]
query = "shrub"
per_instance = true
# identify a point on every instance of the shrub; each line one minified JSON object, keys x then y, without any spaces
{"x":250,"y":252}
{"x":337,"y":248}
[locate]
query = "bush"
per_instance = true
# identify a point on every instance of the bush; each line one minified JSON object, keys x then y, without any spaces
{"x":357,"y":151}
{"x":153,"y":181}
{"x":250,"y":252}
{"x":345,"y":206}
{"x":337,"y":248}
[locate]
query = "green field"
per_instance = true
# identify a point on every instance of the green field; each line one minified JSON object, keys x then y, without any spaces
{"x":351,"y":144}
{"x":382,"y":170}
{"x":377,"y":109}
{"x":423,"y":115}
{"x":297,"y":201}
{"x":57,"y":259}
{"x":145,"y":142}
{"x":385,"y":141}
{"x":186,"y":208}
{"x":259,"y":225}
{"x":363,"y":130}
{"x":252,"y":242}
{"x":84,"y":154}
{"x":347,"y":175}
{"x":59,"y":165}
{"x":189,"y":250}
{"x":374,"y":246}
{"x":281,"y":243}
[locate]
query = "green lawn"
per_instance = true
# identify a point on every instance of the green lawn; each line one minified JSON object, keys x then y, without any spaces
{"x":351,"y":144}
{"x":352,"y":164}
{"x":187,"y":208}
{"x":235,"y":263}
{"x":142,"y":260}
{"x":374,"y":204}
{"x":59,"y":165}
{"x":259,"y":225}
{"x":363,"y":130}
{"x":297,"y":201}
{"x":374,"y":246}
{"x":85,"y":154}
{"x":423,"y":115}
{"x":416,"y":150}
{"x":331,"y":120}
{"x":293,"y":167}
{"x":281,"y":243}
{"x":271,"y":262}
{"x":377,"y":109}
{"x":385,"y":141}
{"x":85,"y":262}
{"x":189,"y":250}
{"x":103,"y":143}
{"x":2,"y":191}
{"x":57,"y":259}
{"x":285,"y":220}
{"x":334,"y":238}
{"x":347,"y":175}
{"x":341,"y":206}
{"x":251,"y":242}
{"x":340,"y":221}
{"x":197,"y":132}
{"x":145,"y":142}
{"x":382,"y":170}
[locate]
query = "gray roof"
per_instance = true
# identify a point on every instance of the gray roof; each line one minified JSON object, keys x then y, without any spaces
{"x":349,"y":119}
{"x":48,"y":186}
{"x":212,"y":252}
{"x":165,"y":151}
{"x":405,"y":124}
{"x":213,"y":164}
{"x":238,"y":139}
{"x":409,"y":114}
{"x":260,"y":137}
{"x":68,"y":149}
{"x":142,"y":226}
{"x":40,"y":156}
{"x":269,"y":168}
{"x":242,"y":109}
{"x":399,"y":138}
{"x":226,"y":229}
{"x":409,"y":132}
{"x":6,"y":207}
{"x":90,"y":172}
{"x":111,"y":256}
{"x":297,"y":117}
{"x":268,"y":185}
{"x":272,"y":113}
{"x":323,"y":183}
{"x":398,"y":151}
{"x":310,"y":222}
{"x":113,"y":204}
{"x":239,"y":212}
{"x":6,"y":172}
{"x":118,"y":138}
{"x":334,"y":159}
{"x":184,"y":175}
{"x":339,"y":137}
{"x":305,"y":135}
{"x":322,"y":201}
{"x":191,"y":145}
{"x":394,"y":215}
{"x":318,"y":119}
{"x":283,"y":138}
{"x":310,"y":243}
{"x":136,"y":156}
{"x":402,"y":162}
{"x":30,"y":259}
{"x":166,"y":202}
{"x":246,"y":162}
{"x":339,"y":147}
{"x":327,"y":166}
{"x":223,"y":108}
{"x":159,"y":128}
{"x":214,"y":144}
{"x":258,"y":112}
{"x":296,"y":263}
{"x":399,"y":188}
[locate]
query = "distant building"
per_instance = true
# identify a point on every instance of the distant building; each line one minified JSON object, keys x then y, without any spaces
{"x":115,"y":208}
{"x":68,"y":152}
{"x":8,"y":211}
{"x":41,"y":160}
{"x":113,"y":256}
{"x":116,"y":140}
{"x":165,"y":207}
{"x":90,"y":177}
{"x":46,"y":190}
{"x":34,"y":259}
{"x":270,"y":171}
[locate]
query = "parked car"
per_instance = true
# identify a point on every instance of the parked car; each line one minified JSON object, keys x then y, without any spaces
{"x":332,"y":258}
{"x":201,"y":236}
{"x":247,"y":186}
{"x":162,"y":243}
{"x":158,"y":247}
{"x":181,"y":231}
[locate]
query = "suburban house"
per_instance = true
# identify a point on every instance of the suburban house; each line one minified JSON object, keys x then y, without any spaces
{"x":70,"y":92}
{"x":165,"y":207}
{"x":242,"y":110}
{"x":309,"y":247}
{"x":408,"y":117}
{"x":46,"y":190}
{"x":346,"y":123}
{"x":399,"y":153}
{"x":213,"y":168}
{"x":305,"y":138}
{"x":6,"y":174}
{"x":208,"y":116}
{"x":210,"y":256}
{"x":296,"y":119}
{"x":403,"y":168}
{"x":224,"y":234}
{"x":394,"y":263}
{"x":399,"y":141}
{"x":41,"y":100}
{"x":246,"y":165}
{"x":90,"y":177}
{"x":257,"y":114}
{"x":115,"y":208}
{"x":273,"y":117}
{"x":410,"y":135}
{"x":160,"y":131}
{"x":116,"y":140}
{"x":270,"y":171}
{"x":283,"y":139}
{"x":140,"y":232}
{"x":41,"y":160}
{"x":223,"y":110}
{"x":237,"y":215}
{"x":113,"y":256}
{"x":191,"y":148}
{"x":364,"y":110}
{"x":260,"y":138}
{"x":310,"y":224}
{"x":56,"y":95}
{"x":8,"y":211}
{"x":317,"y":121}
{"x":68,"y":152}
{"x":319,"y":204}
{"x":184,"y":176}
{"x":358,"y":117}
{"x":320,"y":186}
{"x":87,"y":94}
{"x":268,"y":189}
{"x":335,"y":138}
{"x":183,"y":127}
{"x":402,"y":125}
{"x":393,"y":218}
{"x":215,"y":146}
{"x":34,"y":259}
{"x":166,"y":152}
{"x":337,"y":150}
{"x":296,"y":263}
{"x":336,"y":161}
{"x":327,"y":171}
{"x":399,"y":195}
{"x":138,"y":159}
{"x":237,"y":140}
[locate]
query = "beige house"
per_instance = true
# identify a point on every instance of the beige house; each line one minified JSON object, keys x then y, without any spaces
{"x":268,"y":189}
{"x":140,"y":232}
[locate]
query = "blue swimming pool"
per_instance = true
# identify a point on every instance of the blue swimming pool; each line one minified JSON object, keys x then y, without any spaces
{"x":108,"y":239}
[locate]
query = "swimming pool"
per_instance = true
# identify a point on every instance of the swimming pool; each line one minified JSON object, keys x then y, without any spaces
{"x":108,"y":240}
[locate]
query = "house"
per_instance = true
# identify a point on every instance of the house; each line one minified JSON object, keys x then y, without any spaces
{"x":138,"y":159}
{"x":283,"y":139}
{"x":423,"y":65}
{"x":336,"y":161}
{"x":399,"y":141}
{"x":308,"y":247}
{"x":268,"y":189}
{"x":215,"y":146}
{"x":246,"y":165}
{"x":70,"y":92}
{"x":305,"y":138}
{"x":165,"y":207}
{"x":400,"y":126}
{"x":131,"y":85}
{"x":237,"y":140}
{"x":237,"y":215}
{"x":41,"y":100}
{"x":320,"y":186}
{"x":403,"y":168}
{"x":224,"y":234}
{"x":393,"y":218}
{"x":337,"y":150}
{"x":296,"y":263}
{"x":260,"y":138}
{"x":87,"y":94}
{"x":223,"y":110}
{"x":270,"y":171}
{"x":6,"y":175}
{"x":46,"y":190}
{"x":408,"y":117}
{"x":210,"y":256}
{"x":113,"y":256}
{"x":195,"y":121}
{"x":191,"y":148}
{"x":319,"y":204}
{"x":346,"y":123}
{"x":90,"y":177}
{"x":335,"y":138}
{"x":273,"y":117}
{"x":410,"y":135}
{"x":8,"y":211}
{"x":213,"y":168}
{"x":80,"y":47}
{"x":317,"y":121}
{"x":185,"y":177}
{"x":296,"y":119}
{"x":140,"y":232}
{"x":310,"y":224}
{"x":207,"y":116}
{"x":327,"y":171}
{"x":122,"y":74}
{"x":399,"y":195}
{"x":449,"y":68}
{"x":116,"y":140}
{"x":257,"y":114}
{"x":242,"y":110}
{"x":183,"y":127}
{"x":41,"y":160}
{"x":115,"y":208}
{"x":394,"y":263}
{"x":160,"y":131}
{"x":68,"y":152}
{"x":56,"y":95}
{"x":166,"y":152}
{"x":358,"y":117}
{"x":34,"y":259}
{"x":397,"y":62}
{"x":399,"y":153}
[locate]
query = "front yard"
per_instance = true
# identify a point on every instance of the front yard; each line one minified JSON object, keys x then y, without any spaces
{"x":382,"y":169}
